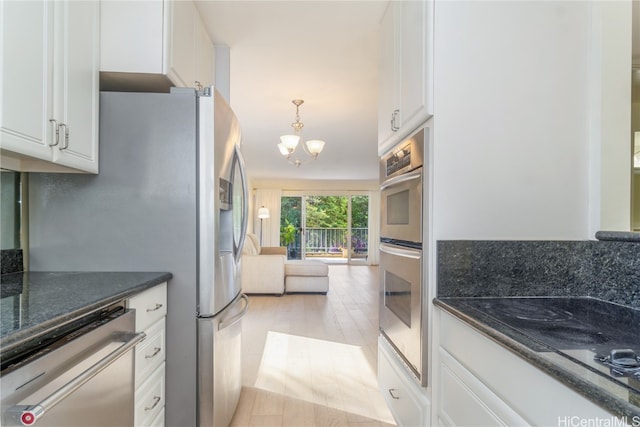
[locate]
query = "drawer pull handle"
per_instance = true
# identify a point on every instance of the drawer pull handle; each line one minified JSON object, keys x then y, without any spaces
{"x":157,"y":307}
{"x":156,"y":350}
{"x":156,"y":400}
{"x":392,"y":392}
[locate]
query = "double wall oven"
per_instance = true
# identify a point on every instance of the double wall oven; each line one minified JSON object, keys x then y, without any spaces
{"x":402,"y":315}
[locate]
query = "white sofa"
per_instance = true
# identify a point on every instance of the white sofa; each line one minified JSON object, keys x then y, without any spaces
{"x":262,"y":269}
{"x":266,"y":270}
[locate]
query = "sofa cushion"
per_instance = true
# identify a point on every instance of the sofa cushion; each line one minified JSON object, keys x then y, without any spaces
{"x":305,"y":268}
{"x":251,"y":245}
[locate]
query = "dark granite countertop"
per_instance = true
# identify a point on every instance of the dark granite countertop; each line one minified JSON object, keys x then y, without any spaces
{"x":570,"y":362}
{"x":36,"y":303}
{"x":618,"y":236}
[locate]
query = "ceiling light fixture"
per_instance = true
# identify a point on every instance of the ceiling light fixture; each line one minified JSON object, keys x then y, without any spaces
{"x":289,"y":143}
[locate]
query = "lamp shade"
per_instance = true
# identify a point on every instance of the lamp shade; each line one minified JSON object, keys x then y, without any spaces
{"x":283,"y":150}
{"x":290,"y":142}
{"x":263,"y":213}
{"x":315,"y":146}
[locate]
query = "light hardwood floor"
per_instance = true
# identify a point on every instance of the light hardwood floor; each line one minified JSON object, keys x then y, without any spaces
{"x":311,"y":360}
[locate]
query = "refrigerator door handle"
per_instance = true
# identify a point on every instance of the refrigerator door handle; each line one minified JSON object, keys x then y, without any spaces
{"x":225,"y":323}
{"x":245,"y":202}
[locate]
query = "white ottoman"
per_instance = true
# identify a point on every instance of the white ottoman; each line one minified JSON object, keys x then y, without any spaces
{"x":306,"y":276}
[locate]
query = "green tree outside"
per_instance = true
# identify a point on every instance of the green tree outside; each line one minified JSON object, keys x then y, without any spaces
{"x":325,"y":211}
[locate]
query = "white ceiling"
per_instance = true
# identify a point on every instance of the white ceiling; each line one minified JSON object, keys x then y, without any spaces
{"x":325,"y":52}
{"x":322,"y":51}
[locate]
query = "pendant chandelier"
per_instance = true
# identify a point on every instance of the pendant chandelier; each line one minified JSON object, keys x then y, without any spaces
{"x":289,"y":143}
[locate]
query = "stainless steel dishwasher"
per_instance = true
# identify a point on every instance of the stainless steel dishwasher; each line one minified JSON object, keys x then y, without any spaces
{"x":83,"y":378}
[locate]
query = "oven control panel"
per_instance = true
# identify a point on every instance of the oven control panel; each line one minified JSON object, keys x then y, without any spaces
{"x":405,"y":157}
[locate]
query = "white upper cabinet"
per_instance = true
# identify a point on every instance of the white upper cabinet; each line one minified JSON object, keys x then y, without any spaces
{"x":152,"y":45}
{"x":405,"y":70}
{"x":387,"y":84}
{"x":182,"y":43}
{"x":78,"y":101}
{"x":49,"y":115}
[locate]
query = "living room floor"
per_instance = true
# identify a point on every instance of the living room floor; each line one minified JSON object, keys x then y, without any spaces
{"x":311,"y":360}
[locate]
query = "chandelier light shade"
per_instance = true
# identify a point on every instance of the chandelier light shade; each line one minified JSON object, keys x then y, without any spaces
{"x":289,"y":143}
{"x":315,"y":146}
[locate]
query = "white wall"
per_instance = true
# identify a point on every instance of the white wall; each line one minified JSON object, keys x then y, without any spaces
{"x":635,"y":127}
{"x":512,"y":94}
{"x":610,"y":115}
{"x":268,"y":229}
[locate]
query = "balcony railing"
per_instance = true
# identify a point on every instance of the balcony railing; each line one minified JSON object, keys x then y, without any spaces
{"x":330,"y":242}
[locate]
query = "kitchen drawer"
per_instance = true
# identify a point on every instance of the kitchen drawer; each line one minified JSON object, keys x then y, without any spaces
{"x":150,"y":398}
{"x":400,"y":391}
{"x":151,"y":352}
{"x":465,"y":400}
{"x":150,"y":306}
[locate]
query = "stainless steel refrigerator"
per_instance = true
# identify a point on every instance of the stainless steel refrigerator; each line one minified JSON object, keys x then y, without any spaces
{"x":171,"y":195}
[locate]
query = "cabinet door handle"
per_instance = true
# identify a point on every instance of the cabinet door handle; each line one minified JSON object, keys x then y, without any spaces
{"x":394,"y":117}
{"x":57,"y":127}
{"x":156,"y":400}
{"x":66,"y":135}
{"x":392,"y":392}
{"x":156,"y":350}
{"x":157,"y":307}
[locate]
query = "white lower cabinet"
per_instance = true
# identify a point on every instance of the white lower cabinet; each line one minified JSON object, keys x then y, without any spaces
{"x":466,"y":401}
{"x":479,"y":382}
{"x":150,"y":399}
{"x":151,"y":352}
{"x":403,"y":395}
{"x":151,"y":311}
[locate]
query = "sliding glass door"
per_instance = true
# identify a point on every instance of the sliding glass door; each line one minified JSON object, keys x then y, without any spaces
{"x":333,"y":228}
{"x":326,"y":228}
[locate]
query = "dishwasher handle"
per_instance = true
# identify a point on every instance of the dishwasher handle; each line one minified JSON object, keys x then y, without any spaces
{"x":28,"y":414}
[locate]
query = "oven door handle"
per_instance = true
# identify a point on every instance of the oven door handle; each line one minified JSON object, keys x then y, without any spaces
{"x":402,"y":252}
{"x":28,"y":414}
{"x":417,"y":174}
